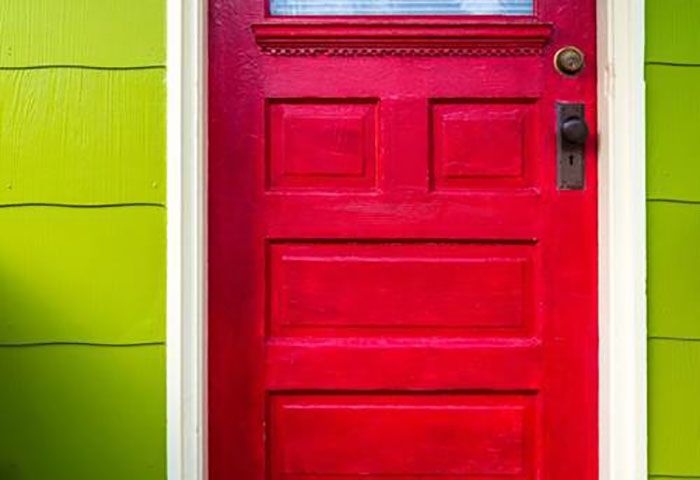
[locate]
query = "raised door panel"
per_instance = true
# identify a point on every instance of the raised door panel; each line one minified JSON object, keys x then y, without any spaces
{"x":404,"y":436}
{"x":415,"y":289}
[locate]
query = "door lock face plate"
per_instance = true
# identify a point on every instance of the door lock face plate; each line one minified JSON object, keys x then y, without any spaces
{"x":572,"y":133}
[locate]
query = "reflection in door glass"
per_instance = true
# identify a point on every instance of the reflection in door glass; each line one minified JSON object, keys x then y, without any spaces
{"x":401,"y":7}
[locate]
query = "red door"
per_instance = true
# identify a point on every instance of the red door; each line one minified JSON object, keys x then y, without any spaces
{"x":399,"y":285}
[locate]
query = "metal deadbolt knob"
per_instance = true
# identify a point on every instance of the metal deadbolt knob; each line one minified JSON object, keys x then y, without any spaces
{"x":574,"y":130}
{"x":569,"y":60}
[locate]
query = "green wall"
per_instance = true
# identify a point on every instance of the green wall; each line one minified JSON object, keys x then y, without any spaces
{"x":82,"y":239}
{"x":673,"y":207}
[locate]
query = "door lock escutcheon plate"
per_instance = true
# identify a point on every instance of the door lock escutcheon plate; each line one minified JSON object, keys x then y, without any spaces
{"x":572,"y":132}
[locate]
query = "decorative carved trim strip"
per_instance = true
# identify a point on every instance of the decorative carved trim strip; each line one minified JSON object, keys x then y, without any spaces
{"x":402,"y":39}
{"x":403,"y":52}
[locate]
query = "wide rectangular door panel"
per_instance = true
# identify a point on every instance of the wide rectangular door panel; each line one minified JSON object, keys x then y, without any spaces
{"x":397,"y":287}
{"x":416,"y":289}
{"x":409,"y":436}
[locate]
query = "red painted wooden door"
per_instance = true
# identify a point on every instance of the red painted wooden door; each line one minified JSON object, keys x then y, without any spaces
{"x":397,"y":287}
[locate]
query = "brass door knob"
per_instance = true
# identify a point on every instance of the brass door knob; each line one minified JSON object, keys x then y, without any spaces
{"x":569,"y":60}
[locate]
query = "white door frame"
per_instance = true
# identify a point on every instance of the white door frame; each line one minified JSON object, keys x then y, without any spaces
{"x":186,"y":297}
{"x":622,"y":240}
{"x":622,"y":227}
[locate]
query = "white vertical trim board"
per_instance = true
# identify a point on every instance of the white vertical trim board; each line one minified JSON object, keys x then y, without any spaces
{"x":622,"y":235}
{"x":622,"y":228}
{"x":186,"y":299}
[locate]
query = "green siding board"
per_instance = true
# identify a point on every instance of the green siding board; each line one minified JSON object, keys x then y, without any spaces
{"x":673,"y":143}
{"x":82,"y":274}
{"x":673,"y":270}
{"x":674,"y":416}
{"x":673,"y":174}
{"x":105,"y":33}
{"x":81,"y":136}
{"x":83,"y":122}
{"x":672,"y":32}
{"x":82,"y":413}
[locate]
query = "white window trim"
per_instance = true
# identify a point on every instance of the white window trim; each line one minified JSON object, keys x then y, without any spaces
{"x":622,"y":237}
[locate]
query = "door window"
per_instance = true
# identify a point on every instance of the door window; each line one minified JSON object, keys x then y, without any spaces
{"x":401,"y":7}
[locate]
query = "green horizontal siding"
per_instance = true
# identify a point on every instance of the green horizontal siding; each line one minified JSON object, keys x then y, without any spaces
{"x":672,"y":32}
{"x":82,"y":136}
{"x":81,"y":412}
{"x":673,"y":270}
{"x":82,"y":274}
{"x":673,"y":188}
{"x":97,"y":33}
{"x":83,"y":244}
{"x":673,"y":138}
{"x":674,"y":416}
{"x":662,"y":477}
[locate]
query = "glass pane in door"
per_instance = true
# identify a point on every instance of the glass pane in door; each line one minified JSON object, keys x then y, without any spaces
{"x":401,"y":7}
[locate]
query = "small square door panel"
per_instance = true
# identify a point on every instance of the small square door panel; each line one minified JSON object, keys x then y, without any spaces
{"x":482,"y":144}
{"x":401,"y":436}
{"x":321,"y":145}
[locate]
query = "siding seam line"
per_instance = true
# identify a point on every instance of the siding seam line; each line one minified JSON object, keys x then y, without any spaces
{"x":672,"y":64}
{"x":84,"y":67}
{"x":87,"y":205}
{"x":679,"y":339}
{"x":673,"y":200}
{"x":81,"y":344}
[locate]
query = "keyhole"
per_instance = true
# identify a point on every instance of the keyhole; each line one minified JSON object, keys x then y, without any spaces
{"x":571,"y":160}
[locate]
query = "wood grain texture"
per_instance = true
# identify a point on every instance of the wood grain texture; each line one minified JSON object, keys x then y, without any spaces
{"x":105,"y":33}
{"x":87,"y":275}
{"x":673,"y":143}
{"x":672,"y":31}
{"x":79,"y":413}
{"x":674,"y":417}
{"x":82,"y":136}
{"x":673,"y":269}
